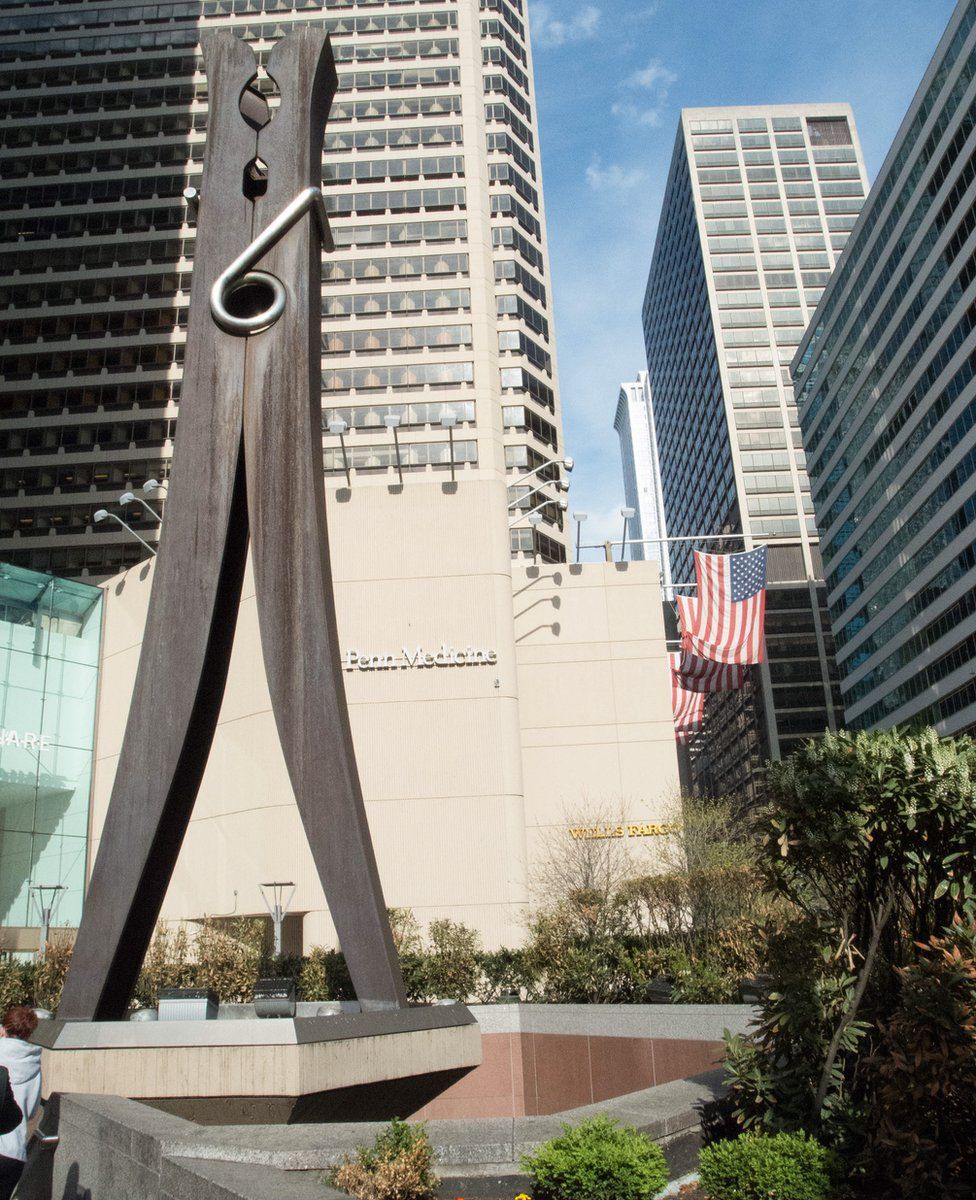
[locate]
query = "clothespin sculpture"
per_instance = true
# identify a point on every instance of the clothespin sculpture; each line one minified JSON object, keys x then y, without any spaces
{"x":248,"y":467}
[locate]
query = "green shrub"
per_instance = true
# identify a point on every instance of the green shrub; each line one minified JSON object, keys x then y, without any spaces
{"x":398,"y":1166}
{"x":452,"y":965}
{"x":755,"y":1166}
{"x":597,"y":1160}
{"x":16,"y":983}
{"x":324,"y":976}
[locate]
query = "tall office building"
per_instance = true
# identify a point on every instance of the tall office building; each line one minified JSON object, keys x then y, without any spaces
{"x":758,"y":207}
{"x":435,"y":305}
{"x":886,"y":391}
{"x":634,"y":423}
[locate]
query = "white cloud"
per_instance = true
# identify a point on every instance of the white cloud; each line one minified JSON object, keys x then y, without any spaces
{"x":613,"y":178}
{"x":549,"y":30}
{"x":656,"y":80}
{"x":654,"y":76}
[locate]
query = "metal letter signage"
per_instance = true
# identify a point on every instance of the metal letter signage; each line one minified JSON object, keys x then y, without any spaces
{"x":248,"y":466}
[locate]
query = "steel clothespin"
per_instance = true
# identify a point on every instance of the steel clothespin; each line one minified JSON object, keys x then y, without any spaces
{"x":247,"y":468}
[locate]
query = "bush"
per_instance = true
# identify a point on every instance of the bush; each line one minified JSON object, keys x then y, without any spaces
{"x":49,"y":972}
{"x":323,"y":975}
{"x":452,"y":966}
{"x":920,"y":1140}
{"x":16,"y":983}
{"x":398,"y":1166}
{"x":755,"y":1166}
{"x":597,"y":1160}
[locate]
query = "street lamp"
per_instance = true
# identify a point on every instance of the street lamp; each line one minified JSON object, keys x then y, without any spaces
{"x":535,"y":520}
{"x":277,"y":907}
{"x":392,"y":422}
{"x":626,"y":513}
{"x":152,"y":485}
{"x":339,"y":427}
{"x":448,"y":421}
{"x":566,"y":463}
{"x":132,"y":498}
{"x":561,"y":485}
{"x":104,"y":515}
{"x":45,"y":908}
{"x":562,"y":505}
{"x":579,"y":518}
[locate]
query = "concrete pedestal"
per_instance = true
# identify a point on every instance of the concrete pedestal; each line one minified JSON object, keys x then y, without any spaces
{"x":353,"y":1066}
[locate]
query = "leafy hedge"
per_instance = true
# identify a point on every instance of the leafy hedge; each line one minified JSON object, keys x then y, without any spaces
{"x":597,"y":1160}
{"x":755,"y":1166}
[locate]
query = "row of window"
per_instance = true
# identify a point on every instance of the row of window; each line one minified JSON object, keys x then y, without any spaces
{"x":379,"y":139}
{"x":413,"y":199}
{"x":158,"y":321}
{"x":85,"y":399}
{"x":137,"y":286}
{"x":369,"y":170}
{"x":401,"y":233}
{"x":72,"y":439}
{"x":404,"y":378}
{"x":378,"y":341}
{"x":52,"y":364}
{"x":339,"y":271}
{"x":402,"y":106}
{"x":413,"y":415}
{"x":411,"y":455}
{"x":369,"y":304}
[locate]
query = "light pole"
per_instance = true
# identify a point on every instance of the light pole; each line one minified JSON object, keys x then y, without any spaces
{"x":566,"y":463}
{"x":132,"y":498}
{"x":561,"y":485}
{"x":448,"y":421}
{"x":45,"y":909}
{"x":579,"y":518}
{"x":535,"y":520}
{"x":392,"y":422}
{"x":277,"y":908}
{"x":626,"y":513}
{"x":339,"y":427}
{"x":104,"y":515}
{"x":562,"y":505}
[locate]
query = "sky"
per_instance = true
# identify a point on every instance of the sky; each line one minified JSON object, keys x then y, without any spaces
{"x":611,"y":77}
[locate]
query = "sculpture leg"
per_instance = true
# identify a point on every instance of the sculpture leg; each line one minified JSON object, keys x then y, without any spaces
{"x":194,"y":601}
{"x":286,"y":494}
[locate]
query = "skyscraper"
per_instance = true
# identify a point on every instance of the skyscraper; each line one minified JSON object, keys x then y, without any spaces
{"x":758,"y":206}
{"x":634,"y":423}
{"x":886,"y":391}
{"x":435,"y":306}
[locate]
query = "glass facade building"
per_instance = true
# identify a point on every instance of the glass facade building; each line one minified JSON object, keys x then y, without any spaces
{"x":758,"y":207}
{"x":634,"y":424}
{"x":50,"y":634}
{"x":886,"y":392}
{"x":435,"y":304}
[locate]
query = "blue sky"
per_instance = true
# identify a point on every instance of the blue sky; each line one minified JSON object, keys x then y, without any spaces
{"x":611,"y":77}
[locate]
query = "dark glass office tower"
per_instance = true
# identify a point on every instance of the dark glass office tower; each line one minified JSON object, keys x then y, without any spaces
{"x":886,"y":390}
{"x":436,"y":304}
{"x":758,"y":206}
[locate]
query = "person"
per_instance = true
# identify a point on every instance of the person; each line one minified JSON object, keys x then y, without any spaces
{"x":22,"y":1061}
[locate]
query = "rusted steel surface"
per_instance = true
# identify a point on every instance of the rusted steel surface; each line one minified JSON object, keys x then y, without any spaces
{"x":248,"y":459}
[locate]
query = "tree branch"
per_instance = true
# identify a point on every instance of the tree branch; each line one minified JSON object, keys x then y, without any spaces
{"x":878,"y":923}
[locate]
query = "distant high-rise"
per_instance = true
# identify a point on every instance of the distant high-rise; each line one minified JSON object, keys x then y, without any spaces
{"x":886,"y":391}
{"x":758,"y":206}
{"x":435,"y":305}
{"x":634,"y":423}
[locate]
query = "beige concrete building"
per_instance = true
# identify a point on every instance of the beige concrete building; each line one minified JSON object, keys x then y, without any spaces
{"x":494,"y":705}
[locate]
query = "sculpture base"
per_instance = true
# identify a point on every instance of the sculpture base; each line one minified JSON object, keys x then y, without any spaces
{"x":360,"y":1066}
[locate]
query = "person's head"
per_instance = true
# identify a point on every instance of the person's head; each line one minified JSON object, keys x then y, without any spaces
{"x":19,"y":1022}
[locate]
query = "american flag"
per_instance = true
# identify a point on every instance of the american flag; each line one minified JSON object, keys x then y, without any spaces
{"x":724,"y":622}
{"x":688,"y":706}
{"x":702,"y":675}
